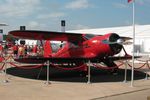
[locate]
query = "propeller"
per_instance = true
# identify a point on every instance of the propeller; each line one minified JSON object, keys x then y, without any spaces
{"x":116,"y":39}
{"x":119,"y":41}
{"x":116,"y":42}
{"x":127,"y":43}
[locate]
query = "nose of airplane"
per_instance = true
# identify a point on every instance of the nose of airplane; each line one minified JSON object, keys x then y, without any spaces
{"x":115,"y":43}
{"x":120,"y":41}
{"x":113,"y":39}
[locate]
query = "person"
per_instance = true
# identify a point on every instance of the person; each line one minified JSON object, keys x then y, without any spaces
{"x":34,"y":50}
{"x":21,"y":51}
{"x":15,"y":50}
{"x":5,"y":48}
{"x":40,"y":51}
{"x":25,"y":50}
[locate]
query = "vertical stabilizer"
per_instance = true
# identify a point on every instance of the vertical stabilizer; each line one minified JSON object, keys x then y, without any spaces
{"x":47,"y":49}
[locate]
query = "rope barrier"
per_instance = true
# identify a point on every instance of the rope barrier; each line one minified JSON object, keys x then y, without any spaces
{"x":7,"y":58}
{"x":107,"y":68}
{"x":145,"y":62}
{"x":1,"y":68}
{"x":138,"y":67}
{"x":27,"y":67}
{"x":148,"y":65}
{"x":74,"y":68}
{"x":142,"y":60}
{"x":3,"y":58}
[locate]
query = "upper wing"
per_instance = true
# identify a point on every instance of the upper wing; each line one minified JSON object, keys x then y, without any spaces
{"x":47,"y":35}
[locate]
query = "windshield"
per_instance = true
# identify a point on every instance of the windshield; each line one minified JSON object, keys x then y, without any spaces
{"x":89,"y":36}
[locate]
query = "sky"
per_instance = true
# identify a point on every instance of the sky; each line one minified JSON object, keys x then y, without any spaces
{"x":79,"y":14}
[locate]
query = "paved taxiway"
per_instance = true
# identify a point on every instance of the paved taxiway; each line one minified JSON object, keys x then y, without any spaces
{"x":69,"y":85}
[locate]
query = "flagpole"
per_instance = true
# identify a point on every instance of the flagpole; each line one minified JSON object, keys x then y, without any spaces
{"x":132,"y":74}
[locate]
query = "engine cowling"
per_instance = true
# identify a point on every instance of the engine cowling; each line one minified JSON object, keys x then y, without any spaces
{"x":115,"y":43}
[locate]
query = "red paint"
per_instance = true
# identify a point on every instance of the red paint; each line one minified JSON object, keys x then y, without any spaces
{"x":91,"y":48}
{"x":15,"y":47}
{"x":47,"y":49}
{"x":34,"y":50}
{"x":1,"y":47}
{"x":77,"y":46}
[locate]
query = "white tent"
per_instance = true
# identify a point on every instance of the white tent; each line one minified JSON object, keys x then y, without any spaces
{"x":141,"y":30}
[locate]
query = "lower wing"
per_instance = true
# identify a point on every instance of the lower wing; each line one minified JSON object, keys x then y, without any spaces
{"x":35,"y":59}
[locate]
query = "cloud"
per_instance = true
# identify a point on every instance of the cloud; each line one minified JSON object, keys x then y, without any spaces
{"x":148,"y":1}
{"x":52,"y":15}
{"x":13,"y":8}
{"x":120,"y":5}
{"x":79,"y":26}
{"x":35,"y":25}
{"x":143,"y":2}
{"x":78,"y":4}
{"x":140,"y":2}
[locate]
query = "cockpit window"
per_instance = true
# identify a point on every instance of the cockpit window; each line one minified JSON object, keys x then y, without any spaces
{"x":89,"y":36}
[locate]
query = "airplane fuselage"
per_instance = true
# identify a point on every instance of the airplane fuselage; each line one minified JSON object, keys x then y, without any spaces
{"x":90,"y":48}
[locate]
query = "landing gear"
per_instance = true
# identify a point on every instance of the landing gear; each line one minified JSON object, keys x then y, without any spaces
{"x":110,"y":64}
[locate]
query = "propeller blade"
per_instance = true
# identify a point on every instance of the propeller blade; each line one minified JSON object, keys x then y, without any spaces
{"x":121,"y":40}
{"x":127,"y":43}
{"x":125,"y":38}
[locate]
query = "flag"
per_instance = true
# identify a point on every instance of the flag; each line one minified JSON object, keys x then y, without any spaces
{"x":130,"y":1}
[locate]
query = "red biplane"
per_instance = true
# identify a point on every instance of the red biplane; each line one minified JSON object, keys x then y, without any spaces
{"x":78,"y":50}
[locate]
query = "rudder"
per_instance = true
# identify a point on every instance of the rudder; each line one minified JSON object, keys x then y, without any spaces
{"x":47,"y":49}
